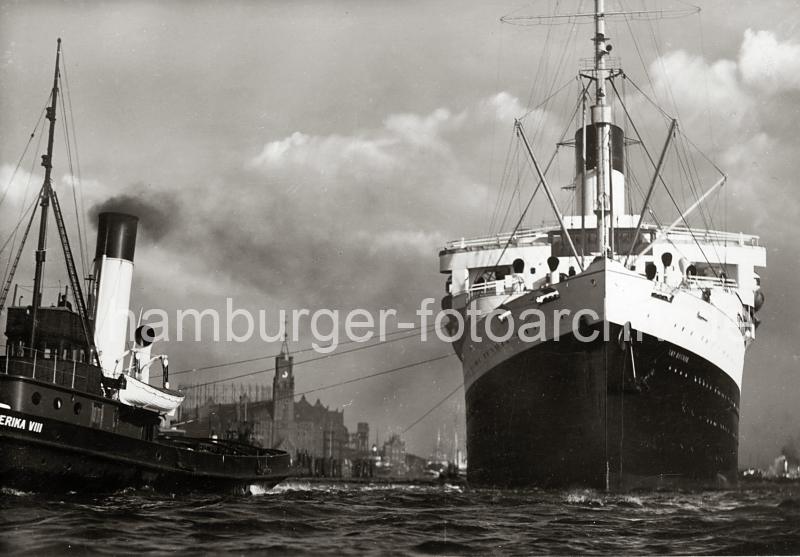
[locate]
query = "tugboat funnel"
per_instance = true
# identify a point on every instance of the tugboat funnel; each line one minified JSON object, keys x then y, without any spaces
{"x":113,"y":267}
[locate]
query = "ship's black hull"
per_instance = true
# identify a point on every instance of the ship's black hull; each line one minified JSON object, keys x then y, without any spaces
{"x":42,"y":449}
{"x":44,"y":469}
{"x":605,"y":414}
{"x":89,"y":463}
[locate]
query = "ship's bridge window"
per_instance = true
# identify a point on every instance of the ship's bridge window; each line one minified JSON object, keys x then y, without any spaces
{"x":518,"y":266}
{"x":623,"y":238}
{"x":496,"y":273}
{"x":719,"y":270}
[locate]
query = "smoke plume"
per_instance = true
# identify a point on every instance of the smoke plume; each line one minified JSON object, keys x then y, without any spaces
{"x":157,"y":211}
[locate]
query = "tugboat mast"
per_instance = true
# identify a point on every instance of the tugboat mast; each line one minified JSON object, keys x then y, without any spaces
{"x":47,"y":163}
{"x":601,"y":118}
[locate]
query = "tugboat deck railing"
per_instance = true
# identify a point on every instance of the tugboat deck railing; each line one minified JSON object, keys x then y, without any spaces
{"x":47,"y":368}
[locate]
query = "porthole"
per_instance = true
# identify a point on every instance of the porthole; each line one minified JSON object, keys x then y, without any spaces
{"x":36,"y":398}
{"x":77,"y":408}
{"x":57,"y":403}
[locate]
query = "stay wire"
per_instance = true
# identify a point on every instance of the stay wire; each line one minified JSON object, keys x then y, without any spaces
{"x":666,"y":188}
{"x":435,"y":406}
{"x":370,"y":376}
{"x":22,"y":157}
{"x":79,"y":210}
{"x":23,"y":211}
{"x":384,"y":372}
{"x":410,"y":334}
{"x":535,"y":191}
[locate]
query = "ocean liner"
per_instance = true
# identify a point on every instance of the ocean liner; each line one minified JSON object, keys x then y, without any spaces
{"x":77,"y":408}
{"x":609,"y":350}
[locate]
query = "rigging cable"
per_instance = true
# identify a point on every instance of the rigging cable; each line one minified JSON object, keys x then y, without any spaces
{"x":23,"y":211}
{"x":638,"y":50}
{"x":19,"y":222}
{"x":668,"y":117}
{"x":370,"y":376}
{"x":434,"y":407}
{"x":511,"y":162}
{"x":21,"y":157}
{"x":410,"y":333}
{"x":384,"y":372}
{"x":507,"y":171}
{"x":666,"y":188}
{"x":13,"y":262}
{"x":530,"y":201}
{"x":68,"y":115}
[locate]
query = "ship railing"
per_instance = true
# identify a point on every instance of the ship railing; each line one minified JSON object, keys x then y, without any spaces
{"x":495,"y":288}
{"x":711,"y":282}
{"x":677,"y":234}
{"x":47,"y":367}
{"x":499,"y":240}
{"x":692,"y":235}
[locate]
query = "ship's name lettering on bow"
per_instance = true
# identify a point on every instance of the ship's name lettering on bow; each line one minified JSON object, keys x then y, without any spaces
{"x":678,"y":356}
{"x":20,"y":423}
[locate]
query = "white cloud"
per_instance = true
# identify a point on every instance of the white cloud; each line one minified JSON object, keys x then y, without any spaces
{"x":423,"y":131}
{"x":702,"y":89}
{"x":420,"y":242}
{"x":17,"y":187}
{"x":503,"y":106}
{"x":364,"y":153}
{"x":768,"y":64}
{"x":325,"y":154}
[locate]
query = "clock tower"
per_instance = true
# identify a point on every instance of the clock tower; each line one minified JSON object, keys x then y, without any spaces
{"x":283,"y":396}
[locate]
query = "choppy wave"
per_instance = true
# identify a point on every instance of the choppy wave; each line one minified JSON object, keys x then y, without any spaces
{"x":348,"y":518}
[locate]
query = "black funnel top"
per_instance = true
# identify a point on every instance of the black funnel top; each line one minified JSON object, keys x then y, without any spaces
{"x":116,"y":236}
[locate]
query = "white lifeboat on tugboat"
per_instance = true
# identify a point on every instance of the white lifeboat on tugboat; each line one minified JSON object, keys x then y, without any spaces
{"x":137,"y":390}
{"x":144,"y":395}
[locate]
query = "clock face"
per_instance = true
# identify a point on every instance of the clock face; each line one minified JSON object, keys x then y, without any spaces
{"x":285,"y":374}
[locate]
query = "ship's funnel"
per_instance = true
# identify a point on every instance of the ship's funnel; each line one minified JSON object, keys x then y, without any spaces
{"x":617,"y":171}
{"x":113,"y":267}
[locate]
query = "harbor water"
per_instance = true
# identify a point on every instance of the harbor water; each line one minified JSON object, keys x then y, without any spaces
{"x":341,"y":519}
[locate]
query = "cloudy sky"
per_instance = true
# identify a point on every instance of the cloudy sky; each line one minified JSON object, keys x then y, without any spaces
{"x":316,"y":155}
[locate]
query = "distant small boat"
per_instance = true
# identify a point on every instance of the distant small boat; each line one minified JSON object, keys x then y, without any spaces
{"x":72,"y":416}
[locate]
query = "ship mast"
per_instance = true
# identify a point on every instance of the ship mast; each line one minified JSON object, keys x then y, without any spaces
{"x":47,"y":163}
{"x":601,"y":118}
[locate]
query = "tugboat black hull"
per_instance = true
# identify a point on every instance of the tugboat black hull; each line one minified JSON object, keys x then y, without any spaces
{"x":603,"y":415}
{"x":41,"y":453}
{"x":51,"y":469}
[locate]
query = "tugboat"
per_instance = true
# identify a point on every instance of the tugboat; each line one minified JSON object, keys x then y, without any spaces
{"x":610,"y":351}
{"x":77,"y":410}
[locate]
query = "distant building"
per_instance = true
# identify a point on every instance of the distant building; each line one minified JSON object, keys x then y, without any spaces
{"x":394,"y":455}
{"x":359,"y":441}
{"x":312,"y":433}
